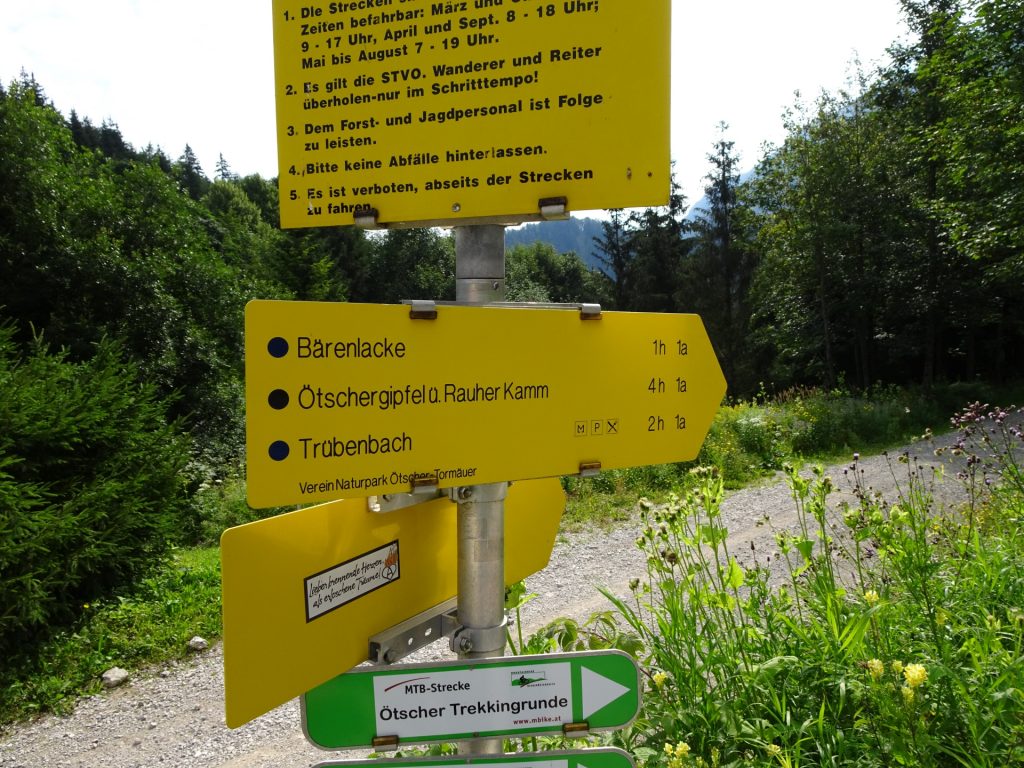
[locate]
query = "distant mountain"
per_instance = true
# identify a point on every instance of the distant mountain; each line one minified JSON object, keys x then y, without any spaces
{"x":701,"y":206}
{"x":576,"y":235}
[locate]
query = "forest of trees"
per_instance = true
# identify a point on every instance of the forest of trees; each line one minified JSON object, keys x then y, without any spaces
{"x":883,"y":241}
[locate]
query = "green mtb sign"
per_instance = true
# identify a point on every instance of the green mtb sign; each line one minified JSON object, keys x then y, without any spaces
{"x":450,"y":701}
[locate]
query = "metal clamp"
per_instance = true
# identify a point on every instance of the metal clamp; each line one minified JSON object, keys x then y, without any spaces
{"x":468,"y":639}
{"x":553,"y":208}
{"x":366,"y":218}
{"x":385,"y":743}
{"x":576,"y":730}
{"x":424,"y":483}
{"x":422,"y":309}
{"x":590,"y":311}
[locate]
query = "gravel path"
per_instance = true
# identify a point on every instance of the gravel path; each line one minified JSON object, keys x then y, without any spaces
{"x":174,"y":717}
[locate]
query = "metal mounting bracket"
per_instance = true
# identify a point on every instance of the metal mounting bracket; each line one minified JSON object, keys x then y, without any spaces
{"x":392,"y":502}
{"x":399,"y":641}
{"x":590,"y":468}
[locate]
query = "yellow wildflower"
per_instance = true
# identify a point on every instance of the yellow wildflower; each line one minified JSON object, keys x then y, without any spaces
{"x":659,"y":679}
{"x":669,"y":749}
{"x":915,"y":674}
{"x":774,"y":750}
{"x":897,"y":667}
{"x":876,"y":668}
{"x":871,"y":597}
{"x":941,"y":617}
{"x":908,"y":694}
{"x":682,"y":749}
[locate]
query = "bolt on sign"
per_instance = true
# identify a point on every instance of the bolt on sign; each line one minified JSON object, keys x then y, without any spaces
{"x":602,"y":757}
{"x":346,"y":400}
{"x":303,"y":592}
{"x":468,"y":699}
{"x":432,"y":112}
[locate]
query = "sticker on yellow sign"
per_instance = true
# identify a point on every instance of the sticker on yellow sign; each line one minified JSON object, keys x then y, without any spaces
{"x":351,"y":400}
{"x":445,"y":111}
{"x":303,"y":592}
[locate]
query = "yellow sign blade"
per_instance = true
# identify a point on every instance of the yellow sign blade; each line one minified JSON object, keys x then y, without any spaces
{"x":428,"y":112}
{"x":348,"y":400}
{"x":303,"y":592}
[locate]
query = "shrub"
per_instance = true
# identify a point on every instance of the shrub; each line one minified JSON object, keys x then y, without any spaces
{"x":90,"y":495}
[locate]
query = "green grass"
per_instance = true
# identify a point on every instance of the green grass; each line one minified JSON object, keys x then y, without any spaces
{"x":151,"y":625}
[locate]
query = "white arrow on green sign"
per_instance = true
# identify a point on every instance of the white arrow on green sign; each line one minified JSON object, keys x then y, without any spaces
{"x":465,"y":699}
{"x":602,"y":757}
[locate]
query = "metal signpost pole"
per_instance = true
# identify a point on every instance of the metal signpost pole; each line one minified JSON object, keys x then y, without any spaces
{"x":479,"y":279}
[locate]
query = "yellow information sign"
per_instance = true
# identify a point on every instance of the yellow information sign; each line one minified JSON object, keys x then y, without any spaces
{"x":349,"y":400}
{"x":303,"y":592}
{"x":434,"y":112}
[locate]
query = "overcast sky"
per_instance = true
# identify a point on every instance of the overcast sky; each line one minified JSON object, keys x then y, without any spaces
{"x":201,"y":71}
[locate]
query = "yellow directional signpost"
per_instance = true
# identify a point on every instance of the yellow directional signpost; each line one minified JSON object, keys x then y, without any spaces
{"x":422,"y":111}
{"x":473,"y":114}
{"x":303,"y":592}
{"x":349,"y":400}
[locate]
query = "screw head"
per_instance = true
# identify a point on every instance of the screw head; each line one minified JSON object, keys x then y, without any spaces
{"x":466,"y":644}
{"x":465,"y":493}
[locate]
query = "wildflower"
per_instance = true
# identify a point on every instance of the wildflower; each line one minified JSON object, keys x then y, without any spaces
{"x":774,"y":750}
{"x":669,"y":749}
{"x":908,"y":694}
{"x":897,"y":667}
{"x":634,"y":584}
{"x":871,"y":597}
{"x":876,"y":668}
{"x":682,"y":749}
{"x":915,"y":674}
{"x":941,"y":617}
{"x":992,"y":622}
{"x":659,"y":679}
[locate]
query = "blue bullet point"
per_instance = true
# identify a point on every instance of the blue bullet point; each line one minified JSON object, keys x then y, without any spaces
{"x":277,"y":347}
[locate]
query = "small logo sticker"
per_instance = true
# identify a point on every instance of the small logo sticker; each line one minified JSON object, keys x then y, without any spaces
{"x":530,"y":678}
